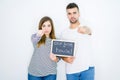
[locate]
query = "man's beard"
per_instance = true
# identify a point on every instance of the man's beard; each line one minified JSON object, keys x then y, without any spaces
{"x":74,"y":22}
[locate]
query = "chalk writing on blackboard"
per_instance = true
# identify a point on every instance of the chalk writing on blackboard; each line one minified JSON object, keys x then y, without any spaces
{"x":63,"y":47}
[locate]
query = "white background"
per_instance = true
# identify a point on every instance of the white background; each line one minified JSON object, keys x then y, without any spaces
{"x":20,"y":18}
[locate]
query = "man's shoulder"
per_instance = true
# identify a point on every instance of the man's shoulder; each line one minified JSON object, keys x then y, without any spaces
{"x":67,"y":28}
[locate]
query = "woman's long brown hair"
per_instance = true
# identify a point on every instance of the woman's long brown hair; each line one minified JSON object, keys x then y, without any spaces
{"x":52,"y":33}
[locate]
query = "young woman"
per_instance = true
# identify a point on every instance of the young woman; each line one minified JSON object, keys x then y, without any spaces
{"x":43,"y":64}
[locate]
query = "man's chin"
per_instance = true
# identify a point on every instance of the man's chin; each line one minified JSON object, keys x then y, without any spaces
{"x":73,"y":22}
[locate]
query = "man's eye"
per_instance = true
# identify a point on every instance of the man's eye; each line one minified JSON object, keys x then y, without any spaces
{"x":74,"y":13}
{"x":69,"y":13}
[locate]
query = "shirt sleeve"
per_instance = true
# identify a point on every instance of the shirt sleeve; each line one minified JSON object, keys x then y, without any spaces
{"x":35,"y":39}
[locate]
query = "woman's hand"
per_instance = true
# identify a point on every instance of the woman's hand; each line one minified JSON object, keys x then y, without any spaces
{"x":40,"y":33}
{"x":53,"y":57}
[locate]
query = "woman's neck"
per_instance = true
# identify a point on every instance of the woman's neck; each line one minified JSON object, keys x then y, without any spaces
{"x":47,"y":36}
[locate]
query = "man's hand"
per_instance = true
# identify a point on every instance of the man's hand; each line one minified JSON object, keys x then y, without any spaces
{"x":84,"y":30}
{"x":68,"y":59}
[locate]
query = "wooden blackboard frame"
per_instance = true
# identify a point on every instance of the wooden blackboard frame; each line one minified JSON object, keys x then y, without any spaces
{"x":63,"y":41}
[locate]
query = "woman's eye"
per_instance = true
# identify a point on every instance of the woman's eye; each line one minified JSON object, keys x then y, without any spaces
{"x":49,"y":25}
{"x":43,"y":26}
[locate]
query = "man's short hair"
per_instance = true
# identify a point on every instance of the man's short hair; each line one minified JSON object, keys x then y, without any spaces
{"x":72,"y":5}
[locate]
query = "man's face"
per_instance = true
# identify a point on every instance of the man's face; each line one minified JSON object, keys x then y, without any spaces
{"x":73,"y":15}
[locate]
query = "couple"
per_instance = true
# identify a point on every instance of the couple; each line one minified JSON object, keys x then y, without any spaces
{"x":44,"y":63}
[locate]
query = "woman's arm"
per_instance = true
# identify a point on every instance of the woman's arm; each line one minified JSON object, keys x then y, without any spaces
{"x":37,"y":36}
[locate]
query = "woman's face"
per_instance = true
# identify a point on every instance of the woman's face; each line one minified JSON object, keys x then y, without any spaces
{"x":47,"y":27}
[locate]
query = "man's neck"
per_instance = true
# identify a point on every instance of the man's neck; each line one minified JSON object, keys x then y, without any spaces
{"x":75,"y":25}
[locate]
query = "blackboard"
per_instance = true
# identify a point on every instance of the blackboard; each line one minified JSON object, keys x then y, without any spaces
{"x":63,"y":47}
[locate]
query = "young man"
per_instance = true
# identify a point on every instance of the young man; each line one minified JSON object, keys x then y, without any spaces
{"x":78,"y":67}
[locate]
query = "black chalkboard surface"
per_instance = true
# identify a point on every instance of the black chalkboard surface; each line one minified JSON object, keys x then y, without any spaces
{"x":63,"y":47}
